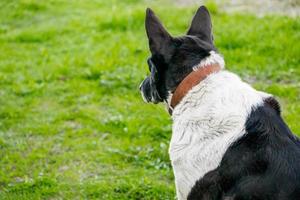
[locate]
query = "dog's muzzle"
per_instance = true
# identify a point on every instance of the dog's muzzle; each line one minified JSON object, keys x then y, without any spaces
{"x":149,"y":86}
{"x":149,"y":93}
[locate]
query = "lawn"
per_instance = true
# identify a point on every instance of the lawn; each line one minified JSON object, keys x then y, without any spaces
{"x":72,"y":122}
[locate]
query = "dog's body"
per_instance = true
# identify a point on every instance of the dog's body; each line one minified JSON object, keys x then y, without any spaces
{"x":229,"y":140}
{"x":205,"y":123}
{"x":216,"y":116}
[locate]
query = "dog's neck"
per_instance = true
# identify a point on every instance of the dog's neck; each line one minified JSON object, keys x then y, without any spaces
{"x":212,"y":64}
{"x":193,"y":79}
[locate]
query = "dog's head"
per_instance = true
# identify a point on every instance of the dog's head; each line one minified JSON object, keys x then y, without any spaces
{"x":173,"y":58}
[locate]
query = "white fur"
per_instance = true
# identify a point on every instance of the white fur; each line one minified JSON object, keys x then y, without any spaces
{"x":143,"y":96}
{"x":211,"y":59}
{"x":206,"y":122}
{"x":168,"y":101}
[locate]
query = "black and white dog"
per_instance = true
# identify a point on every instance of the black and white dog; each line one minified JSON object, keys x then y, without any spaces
{"x":228,"y":141}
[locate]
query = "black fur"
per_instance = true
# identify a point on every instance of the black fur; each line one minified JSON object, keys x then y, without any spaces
{"x":201,"y":25}
{"x":274,"y":104}
{"x":262,"y":165}
{"x":174,"y":57}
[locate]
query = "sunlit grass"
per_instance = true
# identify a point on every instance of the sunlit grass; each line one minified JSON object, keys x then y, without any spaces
{"x":72,"y":122}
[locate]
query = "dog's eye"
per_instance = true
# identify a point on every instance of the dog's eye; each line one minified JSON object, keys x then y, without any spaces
{"x":177,"y":43}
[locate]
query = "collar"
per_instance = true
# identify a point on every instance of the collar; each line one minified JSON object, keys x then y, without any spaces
{"x":191,"y":80}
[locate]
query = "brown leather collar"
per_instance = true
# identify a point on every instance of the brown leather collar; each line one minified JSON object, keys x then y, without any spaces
{"x":191,"y":80}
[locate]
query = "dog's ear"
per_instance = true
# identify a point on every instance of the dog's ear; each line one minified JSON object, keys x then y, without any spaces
{"x":157,"y":34}
{"x":201,"y":25}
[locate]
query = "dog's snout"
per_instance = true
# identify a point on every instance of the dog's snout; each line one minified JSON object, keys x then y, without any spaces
{"x":141,"y":85}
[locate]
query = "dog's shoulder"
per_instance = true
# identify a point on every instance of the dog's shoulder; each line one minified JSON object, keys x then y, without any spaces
{"x":263,"y":164}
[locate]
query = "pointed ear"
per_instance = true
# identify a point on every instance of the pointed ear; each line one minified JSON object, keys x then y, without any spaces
{"x":201,"y":25}
{"x":157,"y":34}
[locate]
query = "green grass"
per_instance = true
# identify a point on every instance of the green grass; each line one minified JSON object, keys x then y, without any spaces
{"x":72,"y":122}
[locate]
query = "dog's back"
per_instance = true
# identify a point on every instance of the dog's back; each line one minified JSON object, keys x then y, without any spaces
{"x":263,"y":164}
{"x":232,"y":139}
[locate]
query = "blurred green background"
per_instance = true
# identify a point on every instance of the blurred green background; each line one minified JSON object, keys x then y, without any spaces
{"x":72,"y":122}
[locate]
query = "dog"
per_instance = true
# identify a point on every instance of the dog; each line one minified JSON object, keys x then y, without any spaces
{"x":229,"y":140}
